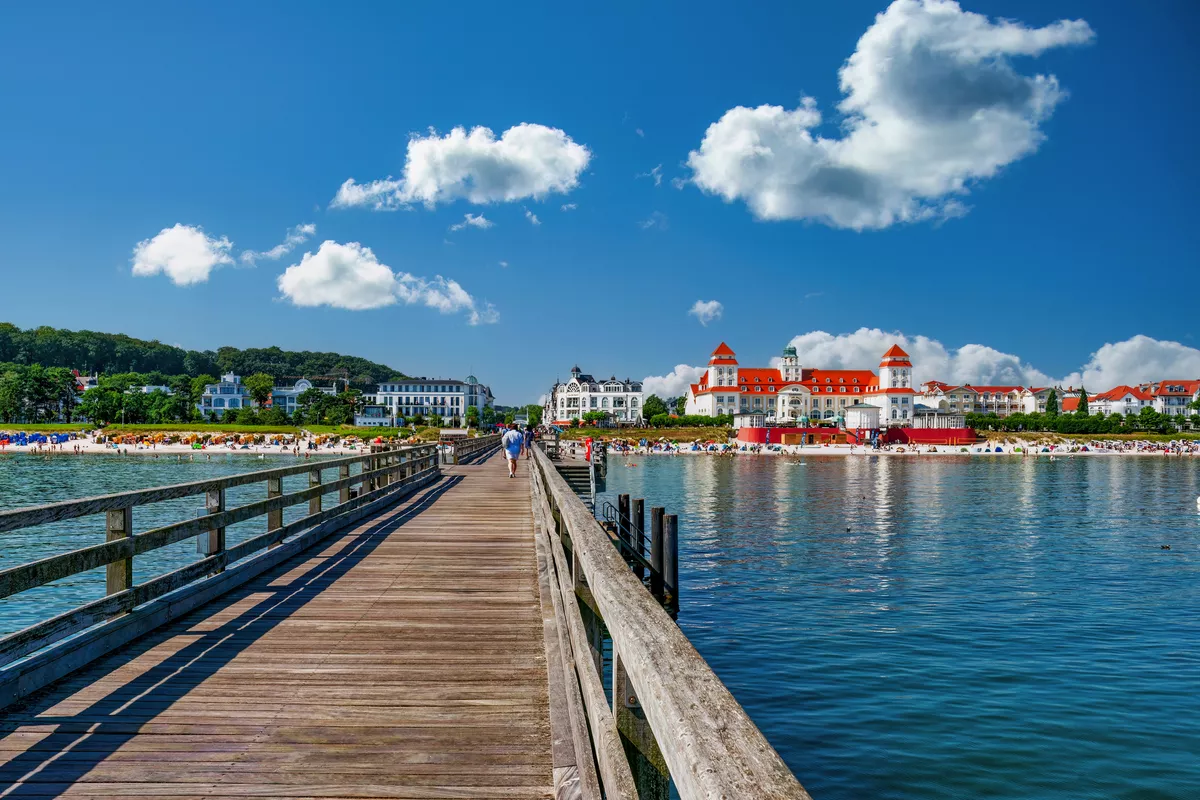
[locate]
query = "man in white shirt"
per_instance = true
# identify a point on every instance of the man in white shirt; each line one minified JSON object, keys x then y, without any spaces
{"x":514,"y":444}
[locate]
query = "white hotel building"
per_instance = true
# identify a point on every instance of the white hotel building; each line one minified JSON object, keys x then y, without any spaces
{"x":796,"y":395}
{"x":429,"y":396}
{"x":569,"y":401}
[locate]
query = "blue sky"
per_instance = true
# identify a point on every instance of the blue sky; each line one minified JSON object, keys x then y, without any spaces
{"x":1064,"y":224}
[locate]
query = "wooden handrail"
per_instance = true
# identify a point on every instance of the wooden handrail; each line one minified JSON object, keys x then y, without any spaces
{"x":384,"y":472}
{"x":71,"y":509}
{"x":711,"y":747}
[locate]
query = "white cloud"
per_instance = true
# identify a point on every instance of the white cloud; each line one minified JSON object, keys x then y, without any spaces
{"x":295,"y":236}
{"x":183,"y":253}
{"x":931,"y":103}
{"x":640,"y":132}
{"x":656,"y":220}
{"x":707,"y":310}
{"x":862,"y":349}
{"x":654,"y":174}
{"x":674,"y":384}
{"x":1131,"y":361}
{"x":679,"y":183}
{"x":528,"y":160}
{"x":1135,"y":360}
{"x":532,"y":217}
{"x":504,"y":263}
{"x":473,"y":221}
{"x":350,"y":276}
{"x":569,"y":207}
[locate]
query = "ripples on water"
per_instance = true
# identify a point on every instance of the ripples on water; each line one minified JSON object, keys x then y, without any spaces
{"x":949,"y":627}
{"x":27,"y":480}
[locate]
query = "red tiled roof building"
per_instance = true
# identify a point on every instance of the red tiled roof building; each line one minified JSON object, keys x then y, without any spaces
{"x":794,"y":394}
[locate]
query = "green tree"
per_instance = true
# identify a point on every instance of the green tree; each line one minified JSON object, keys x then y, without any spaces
{"x":680,"y":406}
{"x":1082,"y":408}
{"x":197,"y":386}
{"x":472,"y":417}
{"x":653,"y":407}
{"x":259,"y":385}
{"x":12,"y":395}
{"x":274,"y":416}
{"x":101,"y":405}
{"x":488,"y":416}
{"x":534,"y":413}
{"x":1052,"y":403}
{"x":594,"y":416}
{"x":311,"y":406}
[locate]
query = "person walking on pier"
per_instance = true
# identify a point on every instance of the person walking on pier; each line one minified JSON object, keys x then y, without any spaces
{"x":528,"y":442}
{"x":513,"y":443}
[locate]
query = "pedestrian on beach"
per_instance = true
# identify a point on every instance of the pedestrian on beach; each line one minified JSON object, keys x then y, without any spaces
{"x":513,"y":443}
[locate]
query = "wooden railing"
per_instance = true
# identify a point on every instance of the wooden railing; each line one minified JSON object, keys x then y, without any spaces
{"x":669,"y":712}
{"x":462,"y":450}
{"x":385,"y":474}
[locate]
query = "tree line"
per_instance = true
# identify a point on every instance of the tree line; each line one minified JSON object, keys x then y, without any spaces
{"x":1083,"y":421}
{"x":92,"y":352}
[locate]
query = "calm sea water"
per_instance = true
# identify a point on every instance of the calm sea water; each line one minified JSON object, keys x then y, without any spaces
{"x":27,"y":480}
{"x":949,"y":627}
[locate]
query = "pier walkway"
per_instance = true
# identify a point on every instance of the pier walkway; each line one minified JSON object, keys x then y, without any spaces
{"x":424,"y":647}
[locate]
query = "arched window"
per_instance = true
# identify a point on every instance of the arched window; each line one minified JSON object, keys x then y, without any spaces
{"x":894,"y":412}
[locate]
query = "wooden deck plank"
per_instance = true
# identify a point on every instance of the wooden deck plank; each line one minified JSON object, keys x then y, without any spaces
{"x":403,"y":658}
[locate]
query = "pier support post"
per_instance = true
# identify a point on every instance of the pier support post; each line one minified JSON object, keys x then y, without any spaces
{"x":637,"y":531}
{"x":671,"y":561}
{"x":274,"y":518}
{"x":213,"y":542}
{"x":344,"y":492}
{"x":623,"y":519}
{"x":646,"y":761}
{"x":656,"y":552}
{"x":314,"y":503}
{"x":118,"y":576}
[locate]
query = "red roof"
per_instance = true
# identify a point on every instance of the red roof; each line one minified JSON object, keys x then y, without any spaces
{"x":1069,"y":404}
{"x":760,"y":375}
{"x":1178,"y":388}
{"x":895,"y":352}
{"x":1119,"y":392}
{"x":723,"y":350}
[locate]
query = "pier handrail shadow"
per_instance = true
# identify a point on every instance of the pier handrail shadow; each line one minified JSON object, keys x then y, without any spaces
{"x":707,"y":743}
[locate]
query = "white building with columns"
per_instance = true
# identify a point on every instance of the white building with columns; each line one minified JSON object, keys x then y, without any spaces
{"x":792,"y":394}
{"x":570,"y":400}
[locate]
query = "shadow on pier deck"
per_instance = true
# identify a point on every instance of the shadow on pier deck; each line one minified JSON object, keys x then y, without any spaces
{"x":400,"y":658}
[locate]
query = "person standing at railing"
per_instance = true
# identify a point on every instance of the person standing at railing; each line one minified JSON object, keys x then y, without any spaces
{"x":513,"y":443}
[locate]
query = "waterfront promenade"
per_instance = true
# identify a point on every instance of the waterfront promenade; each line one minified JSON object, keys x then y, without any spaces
{"x":424,"y":649}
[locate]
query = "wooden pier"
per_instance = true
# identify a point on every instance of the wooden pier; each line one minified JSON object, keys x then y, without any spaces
{"x":437,"y":633}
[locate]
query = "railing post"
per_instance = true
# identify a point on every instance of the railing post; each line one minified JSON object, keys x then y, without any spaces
{"x":646,"y":761}
{"x":671,"y":560}
{"x":274,"y":518}
{"x":118,"y":576}
{"x":638,"y":531}
{"x":213,"y":542}
{"x":656,"y":552}
{"x":314,"y":503}
{"x":623,"y":518}
{"x":344,"y":492}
